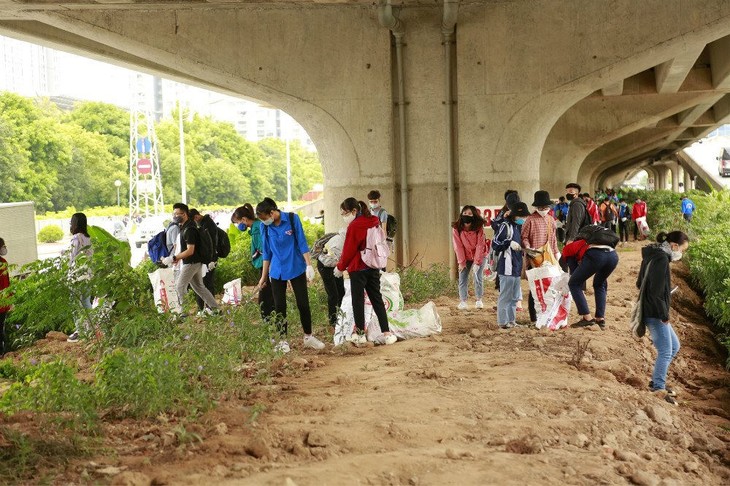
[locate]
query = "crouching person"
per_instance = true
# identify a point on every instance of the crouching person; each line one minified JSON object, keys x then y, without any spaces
{"x":362,"y":278}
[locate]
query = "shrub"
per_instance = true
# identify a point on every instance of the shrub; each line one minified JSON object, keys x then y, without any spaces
{"x":418,"y":284}
{"x":50,"y":234}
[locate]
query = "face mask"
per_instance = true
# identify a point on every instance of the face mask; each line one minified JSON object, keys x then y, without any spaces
{"x":268,"y":222}
{"x":570,"y":197}
{"x":543,"y":212}
{"x":3,"y":251}
{"x":241,"y":226}
{"x":520,"y":221}
{"x":676,"y":255}
{"x":177,"y":219}
{"x":348,"y":218}
{"x":374,"y":205}
{"x":467,"y":219}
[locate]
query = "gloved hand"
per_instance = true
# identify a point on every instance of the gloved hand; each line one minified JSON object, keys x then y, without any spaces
{"x":212,"y":265}
{"x":475,"y":269}
{"x":337,"y":272}
{"x":167,"y":261}
{"x":310,"y":273}
{"x":515,"y":246}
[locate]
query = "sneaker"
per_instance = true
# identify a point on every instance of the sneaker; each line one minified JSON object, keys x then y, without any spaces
{"x":669,"y":391}
{"x":462,"y":305}
{"x":357,"y":338}
{"x":210,"y":312}
{"x":601,"y":324}
{"x":519,"y":308}
{"x":282,"y":347}
{"x":583,"y":323}
{"x":313,"y":342}
{"x":390,"y":339}
{"x":73,"y":338}
{"x":479,"y":304}
{"x":509,"y":325}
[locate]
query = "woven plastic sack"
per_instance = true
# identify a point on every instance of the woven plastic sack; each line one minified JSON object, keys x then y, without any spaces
{"x":163,"y":287}
{"x":232,"y":292}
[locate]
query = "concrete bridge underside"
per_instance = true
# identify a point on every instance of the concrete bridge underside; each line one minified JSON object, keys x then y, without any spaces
{"x":493,"y":94}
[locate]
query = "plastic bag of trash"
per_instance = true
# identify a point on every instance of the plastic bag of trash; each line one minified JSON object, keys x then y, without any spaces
{"x":163,"y":287}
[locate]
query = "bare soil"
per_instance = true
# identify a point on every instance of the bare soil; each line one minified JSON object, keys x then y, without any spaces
{"x":474,"y":405}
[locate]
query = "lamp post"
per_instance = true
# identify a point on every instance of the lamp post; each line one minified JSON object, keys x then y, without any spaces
{"x":118,"y":183}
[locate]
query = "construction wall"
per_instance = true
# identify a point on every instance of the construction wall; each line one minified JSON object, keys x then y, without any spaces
{"x":17,"y":228}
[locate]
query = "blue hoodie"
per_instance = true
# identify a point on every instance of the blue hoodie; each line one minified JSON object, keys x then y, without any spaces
{"x":510,"y":261}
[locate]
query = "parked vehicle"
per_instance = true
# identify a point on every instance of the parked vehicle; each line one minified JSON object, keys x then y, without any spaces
{"x":146,"y":230}
{"x":723,"y":165}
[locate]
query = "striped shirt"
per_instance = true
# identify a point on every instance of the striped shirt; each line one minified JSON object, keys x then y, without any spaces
{"x":535,"y":232}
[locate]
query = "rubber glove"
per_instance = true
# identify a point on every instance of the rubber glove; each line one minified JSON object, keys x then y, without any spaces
{"x":212,"y":265}
{"x":167,"y":261}
{"x":310,"y":273}
{"x":475,"y":269}
{"x":337,"y":272}
{"x":515,"y":246}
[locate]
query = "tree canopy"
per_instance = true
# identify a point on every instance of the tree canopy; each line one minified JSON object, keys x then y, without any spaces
{"x":59,"y":159}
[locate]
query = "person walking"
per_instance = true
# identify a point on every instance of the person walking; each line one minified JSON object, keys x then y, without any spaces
{"x":688,"y":209}
{"x":624,"y":214}
{"x":470,"y":246}
{"x":638,"y":211}
{"x":206,"y":223}
{"x":561,"y":214}
{"x":192,"y":266}
{"x":363,"y":279}
{"x":79,"y":255}
{"x":598,"y":261}
{"x":244,"y":218}
{"x":608,"y":213}
{"x":4,"y":284}
{"x":656,"y":301}
{"x":509,"y":266}
{"x":538,"y":232}
{"x":286,"y":259}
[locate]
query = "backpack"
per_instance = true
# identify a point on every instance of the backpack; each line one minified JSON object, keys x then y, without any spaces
{"x":493,"y":256}
{"x":157,"y":247}
{"x":391,"y":224}
{"x":204,"y":250}
{"x":318,"y":245}
{"x":223,"y":243}
{"x":376,"y":251}
{"x":598,"y":235}
{"x":608,"y":215}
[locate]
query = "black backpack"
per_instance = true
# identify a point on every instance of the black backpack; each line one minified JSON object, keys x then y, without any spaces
{"x":392,"y":224}
{"x":205,"y":250}
{"x":598,"y":235}
{"x":318,"y":246}
{"x":223,"y":243}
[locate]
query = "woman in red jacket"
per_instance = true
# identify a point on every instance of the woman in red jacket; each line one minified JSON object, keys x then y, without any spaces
{"x":4,"y":284}
{"x":363,"y":279}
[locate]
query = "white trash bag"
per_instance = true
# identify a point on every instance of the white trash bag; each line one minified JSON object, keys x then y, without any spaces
{"x":408,"y":323}
{"x":549,"y":289}
{"x":163,"y":286}
{"x":232,"y":292}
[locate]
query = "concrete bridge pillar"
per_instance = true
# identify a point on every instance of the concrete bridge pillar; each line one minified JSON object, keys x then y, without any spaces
{"x":674,"y":171}
{"x":687,"y":181}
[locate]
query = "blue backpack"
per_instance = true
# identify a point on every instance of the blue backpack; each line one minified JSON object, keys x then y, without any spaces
{"x":157,"y":247}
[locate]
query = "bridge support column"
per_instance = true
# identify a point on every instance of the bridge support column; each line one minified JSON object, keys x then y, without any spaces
{"x":674,"y":168}
{"x":687,"y":181}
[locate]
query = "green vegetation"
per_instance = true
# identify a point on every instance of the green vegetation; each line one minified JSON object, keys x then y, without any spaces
{"x":70,"y":160}
{"x":709,"y":248}
{"x":50,"y":234}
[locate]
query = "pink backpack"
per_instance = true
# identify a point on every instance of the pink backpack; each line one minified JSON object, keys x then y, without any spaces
{"x":377,"y":251}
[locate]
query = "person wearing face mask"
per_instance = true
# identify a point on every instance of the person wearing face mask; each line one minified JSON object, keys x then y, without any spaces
{"x":538,"y":231}
{"x":470,"y":247}
{"x":363,"y":279}
{"x":4,"y":284}
{"x":578,"y":216}
{"x":326,"y":262}
{"x":638,"y":211}
{"x":286,"y":259}
{"x":507,"y":241}
{"x":624,"y":213}
{"x":656,"y":300}
{"x":377,"y":210}
{"x":244,"y":218}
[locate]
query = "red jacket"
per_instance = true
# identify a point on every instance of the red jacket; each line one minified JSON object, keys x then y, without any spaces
{"x":357,"y":232}
{"x":4,"y":280}
{"x":592,"y":208}
{"x":575,"y":249}
{"x":639,"y":210}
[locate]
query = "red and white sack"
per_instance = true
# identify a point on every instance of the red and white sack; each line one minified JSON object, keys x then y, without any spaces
{"x":549,"y":289}
{"x":163,"y":287}
{"x":232,"y":292}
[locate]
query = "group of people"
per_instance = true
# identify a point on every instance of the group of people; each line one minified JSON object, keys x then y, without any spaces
{"x":280,"y":251}
{"x":525,"y":239}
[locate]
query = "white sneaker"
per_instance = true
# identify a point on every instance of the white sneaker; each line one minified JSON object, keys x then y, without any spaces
{"x":462,"y":305}
{"x":313,"y":342}
{"x":479,"y":304}
{"x":282,"y":347}
{"x":356,"y":338}
{"x":390,"y":339}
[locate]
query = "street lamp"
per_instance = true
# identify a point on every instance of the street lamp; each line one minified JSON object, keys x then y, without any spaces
{"x":118,"y":183}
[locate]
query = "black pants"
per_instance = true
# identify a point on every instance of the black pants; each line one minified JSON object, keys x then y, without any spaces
{"x":278,"y":289}
{"x":335,"y":288}
{"x":531,"y":307}
{"x":636,"y":231}
{"x":367,"y":281}
{"x":266,"y":298}
{"x":4,"y":348}
{"x":209,"y":282}
{"x":623,"y":231}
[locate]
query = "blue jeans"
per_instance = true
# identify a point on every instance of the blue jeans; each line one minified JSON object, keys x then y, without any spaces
{"x":599,"y":263}
{"x":667,"y":345}
{"x":509,"y":294}
{"x":478,"y":281}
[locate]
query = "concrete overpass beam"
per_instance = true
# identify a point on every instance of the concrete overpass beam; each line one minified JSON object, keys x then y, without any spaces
{"x":616,"y":89}
{"x":720,"y":62}
{"x":687,"y":117}
{"x":671,"y":74}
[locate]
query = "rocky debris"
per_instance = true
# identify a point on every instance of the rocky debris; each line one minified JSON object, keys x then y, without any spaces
{"x":691,"y":466}
{"x":625,"y":456}
{"x":299,"y":362}
{"x":579,"y":440}
{"x":539,"y":342}
{"x":110,"y":470}
{"x":56,"y":336}
{"x":221,"y":428}
{"x":258,"y":448}
{"x":659,"y":414}
{"x":317,"y":439}
{"x":130,"y":478}
{"x":524,"y":445}
{"x":452,"y":454}
{"x":643,"y":478}
{"x":476,"y":333}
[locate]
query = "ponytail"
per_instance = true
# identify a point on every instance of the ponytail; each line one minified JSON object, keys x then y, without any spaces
{"x":677,"y":237}
{"x":245,"y":211}
{"x":352,"y":204}
{"x":364,"y":209}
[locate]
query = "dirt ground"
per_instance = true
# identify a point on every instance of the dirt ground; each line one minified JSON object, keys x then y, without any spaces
{"x":474,"y":405}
